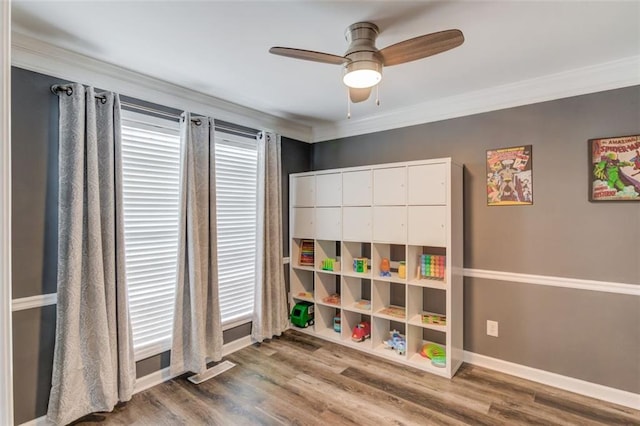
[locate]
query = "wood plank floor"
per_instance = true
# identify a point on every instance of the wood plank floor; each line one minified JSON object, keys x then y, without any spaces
{"x":300,"y":380}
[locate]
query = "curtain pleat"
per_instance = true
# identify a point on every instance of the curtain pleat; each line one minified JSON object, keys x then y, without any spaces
{"x":197,"y":329}
{"x":270,"y":316}
{"x":93,"y":365}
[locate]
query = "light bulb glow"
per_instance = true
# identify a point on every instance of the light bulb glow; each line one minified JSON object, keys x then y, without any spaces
{"x":362,"y":78}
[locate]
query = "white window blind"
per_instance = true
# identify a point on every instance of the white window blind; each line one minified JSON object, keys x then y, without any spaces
{"x":151,"y":180}
{"x":236,"y":200}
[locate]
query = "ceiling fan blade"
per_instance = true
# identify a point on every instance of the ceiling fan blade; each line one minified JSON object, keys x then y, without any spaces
{"x":421,"y":47}
{"x":359,"y":95}
{"x":308,"y":55}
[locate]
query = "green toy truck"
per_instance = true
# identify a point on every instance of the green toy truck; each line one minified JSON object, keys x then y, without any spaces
{"x":302,"y":314}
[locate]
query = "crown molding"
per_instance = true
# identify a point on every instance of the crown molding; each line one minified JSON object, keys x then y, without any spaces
{"x":35,"y":55}
{"x":595,"y":78}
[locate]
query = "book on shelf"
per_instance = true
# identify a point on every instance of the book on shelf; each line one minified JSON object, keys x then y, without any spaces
{"x":307,"y":253}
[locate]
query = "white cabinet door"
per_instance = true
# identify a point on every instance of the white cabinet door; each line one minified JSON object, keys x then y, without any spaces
{"x":427,"y":184}
{"x":389,"y":186}
{"x":329,"y":189}
{"x":329,"y":223}
{"x":427,"y":225}
{"x":302,"y":222}
{"x":303,"y":191}
{"x":389,"y":224}
{"x":356,"y":224}
{"x":356,"y":188}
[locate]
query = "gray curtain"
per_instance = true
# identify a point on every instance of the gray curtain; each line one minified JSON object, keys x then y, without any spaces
{"x":197,"y":328}
{"x":270,"y":316}
{"x":93,"y":365}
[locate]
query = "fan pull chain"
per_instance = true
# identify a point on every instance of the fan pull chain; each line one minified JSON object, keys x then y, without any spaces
{"x":378,"y":94}
{"x":348,"y":105}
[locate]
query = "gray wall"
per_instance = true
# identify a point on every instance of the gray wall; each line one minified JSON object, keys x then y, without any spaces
{"x":34,"y":229}
{"x":593,"y":336}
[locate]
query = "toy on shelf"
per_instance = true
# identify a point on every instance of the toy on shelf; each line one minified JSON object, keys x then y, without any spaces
{"x":439,"y":361}
{"x":431,"y":351}
{"x":401,"y":348}
{"x":330,"y":265}
{"x":306,"y":294}
{"x":402,"y":269}
{"x":394,"y":311}
{"x":361,"y":332}
{"x":302,"y":314}
{"x":385,"y":267}
{"x":337,"y":327}
{"x":307,"y":253}
{"x":365,"y":305}
{"x":333,"y":299}
{"x":432,"y":266}
{"x":360,"y":264}
{"x":396,"y":342}
{"x":435,"y":319}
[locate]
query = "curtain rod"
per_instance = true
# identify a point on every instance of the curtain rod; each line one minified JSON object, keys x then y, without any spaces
{"x":57,"y":88}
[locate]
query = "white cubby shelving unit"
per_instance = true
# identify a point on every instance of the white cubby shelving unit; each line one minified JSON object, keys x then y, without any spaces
{"x":409,"y":213}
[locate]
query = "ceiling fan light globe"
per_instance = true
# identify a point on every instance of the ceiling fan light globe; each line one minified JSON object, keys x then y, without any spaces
{"x":361,"y":79}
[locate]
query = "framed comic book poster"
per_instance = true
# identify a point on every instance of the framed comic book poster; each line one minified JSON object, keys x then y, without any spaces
{"x":614,"y":169}
{"x":510,"y":176}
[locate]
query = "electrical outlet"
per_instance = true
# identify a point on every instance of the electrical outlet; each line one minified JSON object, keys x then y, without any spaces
{"x":492,"y":328}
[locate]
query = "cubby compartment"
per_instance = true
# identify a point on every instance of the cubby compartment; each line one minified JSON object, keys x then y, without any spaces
{"x":427,"y":266}
{"x":325,"y":321}
{"x":388,"y":300}
{"x":426,"y":307}
{"x":327,"y":289}
{"x":349,"y":321}
{"x":327,"y":256}
{"x":301,"y":282}
{"x":303,"y":253}
{"x":381,"y":333}
{"x":417,"y":338}
{"x":356,"y":294}
{"x":356,"y":251}
{"x":395,"y":254}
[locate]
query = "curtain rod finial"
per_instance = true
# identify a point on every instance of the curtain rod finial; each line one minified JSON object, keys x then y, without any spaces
{"x":58,"y":88}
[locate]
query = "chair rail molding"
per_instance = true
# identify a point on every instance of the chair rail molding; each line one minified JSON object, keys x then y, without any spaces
{"x":573,"y":283}
{"x":41,"y":300}
{"x":6,"y":365}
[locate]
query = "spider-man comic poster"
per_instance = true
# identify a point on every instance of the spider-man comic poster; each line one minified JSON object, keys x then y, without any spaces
{"x":510,"y":176}
{"x":615,"y":169}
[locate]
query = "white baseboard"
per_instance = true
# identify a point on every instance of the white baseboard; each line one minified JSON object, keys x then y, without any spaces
{"x":160,"y":376}
{"x":593,"y":390}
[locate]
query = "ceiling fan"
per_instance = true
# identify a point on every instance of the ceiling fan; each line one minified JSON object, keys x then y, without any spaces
{"x":363,"y":62}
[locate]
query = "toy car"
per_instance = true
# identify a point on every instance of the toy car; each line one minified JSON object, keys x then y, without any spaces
{"x":302,"y":314}
{"x":361,"y":332}
{"x":396,"y":342}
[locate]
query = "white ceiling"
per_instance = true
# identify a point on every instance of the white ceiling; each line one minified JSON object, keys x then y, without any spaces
{"x":220,"y":48}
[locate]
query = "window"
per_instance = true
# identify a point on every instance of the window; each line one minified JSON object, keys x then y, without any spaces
{"x":151,"y":181}
{"x":236,"y":160}
{"x":151,"y":185}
